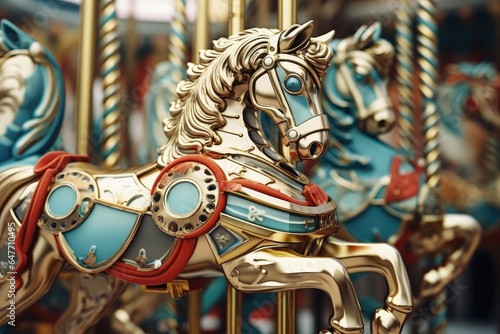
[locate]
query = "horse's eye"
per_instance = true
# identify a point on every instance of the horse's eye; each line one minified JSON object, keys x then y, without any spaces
{"x":359,"y":77}
{"x":293,"y":84}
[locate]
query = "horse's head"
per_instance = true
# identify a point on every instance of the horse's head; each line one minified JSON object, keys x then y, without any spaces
{"x":357,"y":79}
{"x":277,"y":72}
{"x":286,"y":87}
{"x":31,"y":95}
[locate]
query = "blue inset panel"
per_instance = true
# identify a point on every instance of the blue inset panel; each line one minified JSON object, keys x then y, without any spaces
{"x":268,"y":217}
{"x":106,"y":228}
{"x":183,"y":198}
{"x":62,"y":201}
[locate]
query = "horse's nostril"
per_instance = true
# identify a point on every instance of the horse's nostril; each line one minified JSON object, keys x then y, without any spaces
{"x":315,"y":149}
{"x":382,"y":124}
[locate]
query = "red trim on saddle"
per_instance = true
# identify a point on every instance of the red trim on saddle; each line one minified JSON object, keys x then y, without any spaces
{"x":402,"y":186}
{"x":185,"y":247}
{"x":47,"y":167}
{"x":315,"y":194}
{"x":262,"y":188}
{"x":312,"y":192}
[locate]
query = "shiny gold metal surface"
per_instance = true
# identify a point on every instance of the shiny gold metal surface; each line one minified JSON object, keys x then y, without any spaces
{"x":236,"y":16}
{"x":201,"y":34}
{"x":287,"y":13}
{"x":234,"y":313}
{"x":85,"y":75}
{"x":194,"y":313}
{"x":385,"y":260}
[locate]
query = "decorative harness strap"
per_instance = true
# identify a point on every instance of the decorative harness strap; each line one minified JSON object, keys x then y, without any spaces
{"x":47,"y":167}
{"x":402,"y":186}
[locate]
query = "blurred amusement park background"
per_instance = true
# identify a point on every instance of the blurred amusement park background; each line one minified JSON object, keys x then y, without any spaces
{"x":468,"y":45}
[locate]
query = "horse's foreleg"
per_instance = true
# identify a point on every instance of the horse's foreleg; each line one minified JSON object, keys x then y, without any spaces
{"x":385,"y":260}
{"x":457,"y":237}
{"x":45,"y":266}
{"x":278,"y":269}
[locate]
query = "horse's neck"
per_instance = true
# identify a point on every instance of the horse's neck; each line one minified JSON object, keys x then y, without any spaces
{"x":377,"y":154}
{"x":36,"y":87}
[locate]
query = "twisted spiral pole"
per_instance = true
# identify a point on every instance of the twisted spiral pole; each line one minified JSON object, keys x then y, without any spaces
{"x":167,"y":75}
{"x":428,"y":62}
{"x":427,"y":47}
{"x":178,"y":41}
{"x":404,"y":77}
{"x":109,"y":48}
{"x":490,"y":162}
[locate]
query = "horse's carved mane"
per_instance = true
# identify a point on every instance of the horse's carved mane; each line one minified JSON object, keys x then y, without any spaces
{"x":196,"y":115}
{"x":10,"y":99}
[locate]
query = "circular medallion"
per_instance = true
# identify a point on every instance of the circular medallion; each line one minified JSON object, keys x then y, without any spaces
{"x":186,"y":200}
{"x":70,"y":199}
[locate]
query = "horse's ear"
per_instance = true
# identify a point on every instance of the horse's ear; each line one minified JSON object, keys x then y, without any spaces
{"x":12,"y":37}
{"x":295,"y":37}
{"x":326,"y":38}
{"x":367,"y":35}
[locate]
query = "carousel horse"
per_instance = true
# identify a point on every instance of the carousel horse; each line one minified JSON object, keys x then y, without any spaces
{"x":32,"y":97}
{"x":470,"y":110}
{"x":219,"y":199}
{"x":381,"y":195}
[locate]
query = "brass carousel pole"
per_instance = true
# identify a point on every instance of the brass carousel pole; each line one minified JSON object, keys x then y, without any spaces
{"x":404,"y":77}
{"x":200,"y":43}
{"x":109,"y":48}
{"x":201,"y":31}
{"x":85,"y":74}
{"x":428,"y":61}
{"x":287,"y":15}
{"x":234,"y":298}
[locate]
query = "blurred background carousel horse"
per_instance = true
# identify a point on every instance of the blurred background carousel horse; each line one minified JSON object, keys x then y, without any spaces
{"x":381,"y":194}
{"x":32,"y":97}
{"x":207,"y":201}
{"x":470,"y":110}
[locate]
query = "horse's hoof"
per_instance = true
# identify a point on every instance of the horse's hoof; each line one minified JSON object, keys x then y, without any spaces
{"x":384,"y":322}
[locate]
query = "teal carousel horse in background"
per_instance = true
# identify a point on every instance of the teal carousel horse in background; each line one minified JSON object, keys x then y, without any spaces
{"x":219,"y":200}
{"x":32,"y":97}
{"x":381,"y":194}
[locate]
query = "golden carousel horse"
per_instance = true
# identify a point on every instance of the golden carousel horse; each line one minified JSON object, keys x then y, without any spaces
{"x":219,"y":199}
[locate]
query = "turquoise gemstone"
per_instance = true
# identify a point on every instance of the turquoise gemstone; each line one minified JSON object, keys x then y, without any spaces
{"x":293,"y":84}
{"x":183,"y":198}
{"x":62,"y":201}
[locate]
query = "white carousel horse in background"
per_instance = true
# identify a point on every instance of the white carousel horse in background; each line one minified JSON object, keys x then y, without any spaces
{"x":219,"y":200}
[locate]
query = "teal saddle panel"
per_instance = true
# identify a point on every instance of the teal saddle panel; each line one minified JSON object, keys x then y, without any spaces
{"x":100,"y":240}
